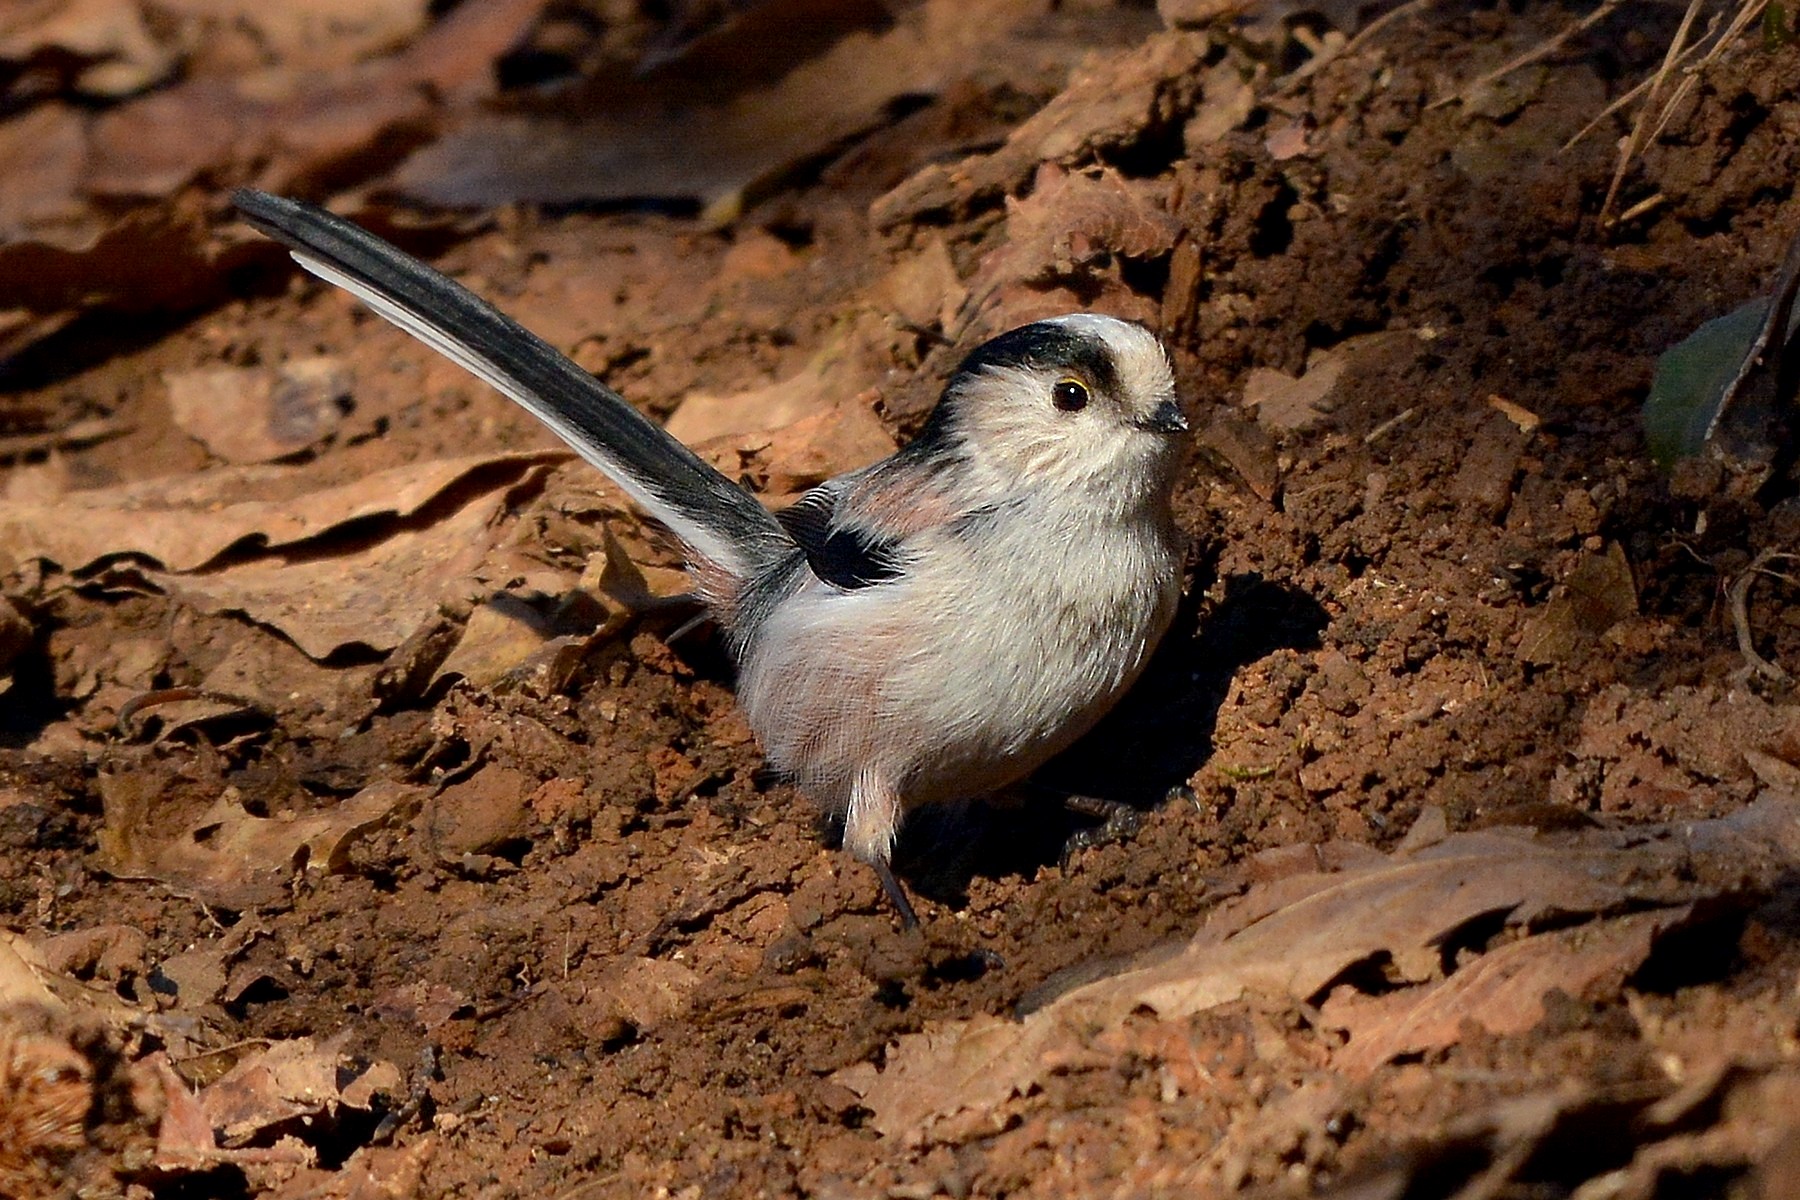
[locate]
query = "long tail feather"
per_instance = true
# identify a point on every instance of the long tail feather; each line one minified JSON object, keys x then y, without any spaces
{"x":718,"y":520}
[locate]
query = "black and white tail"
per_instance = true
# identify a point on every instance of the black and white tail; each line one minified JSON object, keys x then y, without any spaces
{"x":718,"y":521}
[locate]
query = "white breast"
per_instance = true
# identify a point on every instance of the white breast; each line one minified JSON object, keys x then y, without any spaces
{"x":950,"y":691}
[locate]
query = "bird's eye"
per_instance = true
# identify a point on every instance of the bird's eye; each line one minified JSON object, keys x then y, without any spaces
{"x":1070,"y":395}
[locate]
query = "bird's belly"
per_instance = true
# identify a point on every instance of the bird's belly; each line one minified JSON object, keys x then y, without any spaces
{"x":944,"y":693}
{"x":1014,"y":703}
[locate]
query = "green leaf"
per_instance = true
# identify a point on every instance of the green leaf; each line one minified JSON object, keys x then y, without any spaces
{"x":1688,"y":391}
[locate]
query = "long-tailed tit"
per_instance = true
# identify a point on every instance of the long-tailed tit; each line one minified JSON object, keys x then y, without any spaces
{"x":934,"y":626}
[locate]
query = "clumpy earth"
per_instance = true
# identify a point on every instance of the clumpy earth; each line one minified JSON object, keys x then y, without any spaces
{"x":371,"y":826}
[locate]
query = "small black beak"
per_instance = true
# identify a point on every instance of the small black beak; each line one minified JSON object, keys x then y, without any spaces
{"x":1165,"y":418}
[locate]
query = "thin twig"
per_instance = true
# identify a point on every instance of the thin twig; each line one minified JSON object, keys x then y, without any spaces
{"x":1641,"y":207}
{"x":1643,"y":85}
{"x":1771,"y":331}
{"x":1636,"y":141}
{"x":1382,"y":22}
{"x":1311,"y":66}
{"x":1746,"y":13}
{"x":1737,"y":595}
{"x":1543,"y":49}
{"x":1388,"y":426}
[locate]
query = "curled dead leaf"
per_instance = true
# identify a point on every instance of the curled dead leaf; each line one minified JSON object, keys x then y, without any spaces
{"x":372,"y":597}
{"x":185,"y":522}
{"x":1502,"y":992}
{"x":228,"y":855}
{"x":1110,"y":102}
{"x":1070,"y":224}
{"x":1598,"y":594}
{"x":730,"y":150}
{"x":288,"y":1080}
{"x":1297,"y":936}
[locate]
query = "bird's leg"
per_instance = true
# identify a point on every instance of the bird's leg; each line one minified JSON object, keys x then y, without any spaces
{"x":870,"y":825}
{"x":909,"y":920}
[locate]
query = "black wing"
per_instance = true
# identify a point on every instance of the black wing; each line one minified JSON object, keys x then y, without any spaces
{"x":841,"y":555}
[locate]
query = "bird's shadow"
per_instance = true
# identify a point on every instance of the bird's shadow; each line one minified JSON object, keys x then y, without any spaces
{"x":1152,"y":742}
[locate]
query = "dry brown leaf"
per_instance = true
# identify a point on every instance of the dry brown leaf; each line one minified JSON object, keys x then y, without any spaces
{"x":200,"y":972}
{"x":825,"y":382}
{"x":23,"y":972}
{"x":285,"y":1084}
{"x":785,"y":462}
{"x":121,"y":230}
{"x":502,"y":633}
{"x":726,"y":150}
{"x":1294,"y":936}
{"x":183,"y":1136}
{"x":375,"y":597}
{"x":1071,"y":222}
{"x":1285,"y":403}
{"x":626,"y":587}
{"x":43,"y":149}
{"x":276,"y":677}
{"x":1109,"y":103}
{"x":107,"y":953}
{"x":789,"y":435}
{"x":119,"y":53}
{"x":1598,"y":594}
{"x":184,"y":522}
{"x":372,"y":1173}
{"x":295,"y":1078}
{"x":1502,"y":991}
{"x":295,"y":122}
{"x":933,"y":1075}
{"x":28,"y":977}
{"x":427,"y":1005}
{"x":227,"y":855}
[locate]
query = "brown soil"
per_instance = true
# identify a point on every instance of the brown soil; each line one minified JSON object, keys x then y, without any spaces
{"x":607,"y":954}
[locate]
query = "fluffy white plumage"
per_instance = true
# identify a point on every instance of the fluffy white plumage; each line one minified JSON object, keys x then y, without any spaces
{"x":934,"y":626}
{"x":996,"y":647}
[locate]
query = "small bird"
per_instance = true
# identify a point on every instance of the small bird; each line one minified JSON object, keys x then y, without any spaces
{"x":932,"y":627}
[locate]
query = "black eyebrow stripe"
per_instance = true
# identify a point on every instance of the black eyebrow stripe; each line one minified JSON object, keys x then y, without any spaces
{"x":1047,"y":346}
